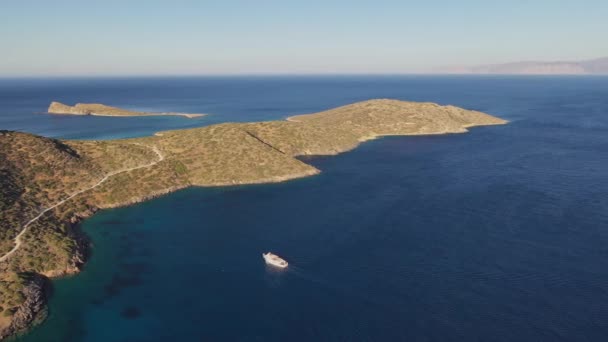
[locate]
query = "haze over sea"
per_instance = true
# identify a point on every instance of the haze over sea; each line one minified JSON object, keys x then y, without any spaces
{"x":500,"y":234}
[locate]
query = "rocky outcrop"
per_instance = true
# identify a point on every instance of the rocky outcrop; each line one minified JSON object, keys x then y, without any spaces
{"x":32,"y":310}
{"x":60,"y":108}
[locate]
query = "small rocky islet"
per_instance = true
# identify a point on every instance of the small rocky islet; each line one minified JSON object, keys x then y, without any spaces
{"x":73,"y":179}
{"x":98,"y":109}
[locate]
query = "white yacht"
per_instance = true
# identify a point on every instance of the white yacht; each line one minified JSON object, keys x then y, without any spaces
{"x":274,"y":260}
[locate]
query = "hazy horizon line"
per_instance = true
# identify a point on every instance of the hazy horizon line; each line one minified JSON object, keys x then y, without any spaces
{"x":271,"y":75}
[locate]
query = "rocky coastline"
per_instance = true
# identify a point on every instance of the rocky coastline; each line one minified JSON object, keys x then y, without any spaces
{"x":32,"y":311}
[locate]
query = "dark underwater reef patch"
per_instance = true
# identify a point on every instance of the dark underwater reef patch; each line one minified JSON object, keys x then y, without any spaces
{"x":130,"y":312}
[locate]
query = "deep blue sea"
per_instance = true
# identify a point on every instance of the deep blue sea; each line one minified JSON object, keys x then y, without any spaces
{"x":500,"y":234}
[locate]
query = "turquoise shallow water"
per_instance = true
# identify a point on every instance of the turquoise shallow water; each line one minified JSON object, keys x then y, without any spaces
{"x":500,"y":234}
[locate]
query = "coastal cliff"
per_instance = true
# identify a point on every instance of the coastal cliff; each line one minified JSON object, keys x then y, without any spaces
{"x":32,"y":310}
{"x":98,"y":109}
{"x":48,"y":186}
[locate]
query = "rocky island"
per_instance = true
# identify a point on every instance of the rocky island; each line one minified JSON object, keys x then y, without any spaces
{"x":48,"y":186}
{"x":98,"y":109}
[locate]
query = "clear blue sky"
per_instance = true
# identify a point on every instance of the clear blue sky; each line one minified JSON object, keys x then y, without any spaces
{"x":127,"y":37}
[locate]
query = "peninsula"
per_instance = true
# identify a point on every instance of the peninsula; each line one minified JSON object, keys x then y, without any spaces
{"x":48,"y":186}
{"x":98,"y":109}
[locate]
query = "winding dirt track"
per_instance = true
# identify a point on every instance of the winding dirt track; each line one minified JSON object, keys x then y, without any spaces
{"x":18,"y":238}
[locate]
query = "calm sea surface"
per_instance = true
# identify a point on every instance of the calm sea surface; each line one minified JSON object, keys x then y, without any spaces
{"x":500,"y":234}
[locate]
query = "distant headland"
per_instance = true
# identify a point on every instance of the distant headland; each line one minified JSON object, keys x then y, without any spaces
{"x":98,"y":109}
{"x":48,"y":186}
{"x":597,"y":66}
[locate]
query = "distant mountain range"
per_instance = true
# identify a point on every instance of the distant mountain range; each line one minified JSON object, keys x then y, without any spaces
{"x":587,"y":67}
